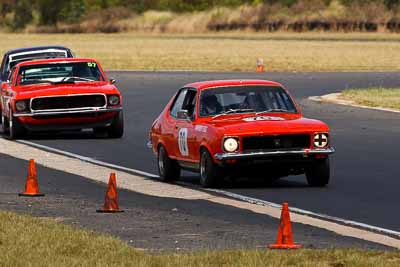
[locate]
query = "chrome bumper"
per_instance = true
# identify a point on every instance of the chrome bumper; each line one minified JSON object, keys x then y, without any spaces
{"x":67,"y":111}
{"x":149,"y":145}
{"x":266,"y":154}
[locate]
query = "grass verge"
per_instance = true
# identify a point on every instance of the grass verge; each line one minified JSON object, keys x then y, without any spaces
{"x":27,"y":241}
{"x":226,"y":52}
{"x":374,"y":97}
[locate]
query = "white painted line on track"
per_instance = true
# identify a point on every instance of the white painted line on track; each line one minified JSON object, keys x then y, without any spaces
{"x":222,"y":192}
{"x":309,"y":213}
{"x":334,"y":98}
{"x":87,"y":159}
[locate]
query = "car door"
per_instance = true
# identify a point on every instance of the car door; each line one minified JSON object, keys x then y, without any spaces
{"x":182,"y":142}
{"x":170,"y":124}
{"x":184,"y":130}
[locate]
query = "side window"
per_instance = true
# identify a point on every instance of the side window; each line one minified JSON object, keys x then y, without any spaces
{"x":3,"y":68}
{"x":189,"y":103}
{"x":10,"y":75}
{"x":178,"y":103}
{"x":7,"y":67}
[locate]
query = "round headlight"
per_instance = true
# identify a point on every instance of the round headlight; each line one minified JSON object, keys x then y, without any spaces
{"x":320,"y":140}
{"x":21,"y":106}
{"x":231,"y":145}
{"x":113,"y":100}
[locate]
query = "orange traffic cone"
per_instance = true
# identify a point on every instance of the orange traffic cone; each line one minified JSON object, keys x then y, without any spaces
{"x":31,"y":185}
{"x":285,"y":236}
{"x":111,"y":200}
{"x":260,"y":65}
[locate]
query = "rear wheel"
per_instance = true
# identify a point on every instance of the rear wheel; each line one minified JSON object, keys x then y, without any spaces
{"x":168,"y":169}
{"x":15,"y":128}
{"x":116,"y":129}
{"x":318,"y":174}
{"x":210,"y":173}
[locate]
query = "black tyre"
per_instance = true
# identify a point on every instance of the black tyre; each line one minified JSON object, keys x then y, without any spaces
{"x":168,"y":169}
{"x":318,"y":174}
{"x":15,"y":128}
{"x":100,"y":131}
{"x":116,"y":129}
{"x":4,"y":124}
{"x":211,"y":175}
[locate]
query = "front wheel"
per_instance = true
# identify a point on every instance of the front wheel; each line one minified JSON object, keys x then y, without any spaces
{"x":4,"y":124}
{"x":168,"y":169}
{"x":210,"y":173}
{"x":318,"y":174}
{"x":116,"y":129}
{"x":15,"y":128}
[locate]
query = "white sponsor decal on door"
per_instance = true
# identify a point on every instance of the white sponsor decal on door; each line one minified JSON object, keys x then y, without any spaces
{"x":182,"y":142}
{"x":201,"y":128}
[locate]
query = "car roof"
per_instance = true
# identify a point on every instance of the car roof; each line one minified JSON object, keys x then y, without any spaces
{"x":35,"y":48}
{"x":224,"y":83}
{"x":54,"y":60}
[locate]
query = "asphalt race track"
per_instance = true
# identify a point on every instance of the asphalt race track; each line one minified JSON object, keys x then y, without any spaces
{"x":366,"y":174}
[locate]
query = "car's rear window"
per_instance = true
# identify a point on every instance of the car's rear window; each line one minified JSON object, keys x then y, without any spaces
{"x":15,"y":59}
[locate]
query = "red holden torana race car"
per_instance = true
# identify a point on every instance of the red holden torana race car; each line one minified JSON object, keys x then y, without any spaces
{"x":221,"y":128}
{"x":60,"y":94}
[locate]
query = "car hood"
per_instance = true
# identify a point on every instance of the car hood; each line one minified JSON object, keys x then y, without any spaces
{"x":269,"y":125}
{"x":24,"y":92}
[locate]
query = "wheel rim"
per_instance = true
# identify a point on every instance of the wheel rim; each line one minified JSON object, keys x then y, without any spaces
{"x":203,"y":168}
{"x":10,"y":124}
{"x":161,"y":162}
{"x":3,"y":123}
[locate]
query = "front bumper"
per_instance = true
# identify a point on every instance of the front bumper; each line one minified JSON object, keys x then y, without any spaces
{"x":271,"y":154}
{"x":82,"y":111}
{"x":149,"y":145}
{"x":68,"y":119}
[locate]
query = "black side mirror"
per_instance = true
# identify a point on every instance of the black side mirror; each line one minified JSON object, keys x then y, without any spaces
{"x":113,"y":81}
{"x":183,"y":114}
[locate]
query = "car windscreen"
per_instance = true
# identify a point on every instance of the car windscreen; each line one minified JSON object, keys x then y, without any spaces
{"x":243,"y":99}
{"x":55,"y":73}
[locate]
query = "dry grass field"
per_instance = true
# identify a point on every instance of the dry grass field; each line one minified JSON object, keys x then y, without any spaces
{"x":227,"y":52}
{"x":27,"y":241}
{"x":374,"y":97}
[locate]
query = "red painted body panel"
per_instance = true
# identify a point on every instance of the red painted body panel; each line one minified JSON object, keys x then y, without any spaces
{"x":209,"y":133}
{"x":11,"y":93}
{"x":32,"y":121}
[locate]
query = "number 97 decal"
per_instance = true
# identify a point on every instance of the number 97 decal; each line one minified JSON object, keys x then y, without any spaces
{"x":182,"y":142}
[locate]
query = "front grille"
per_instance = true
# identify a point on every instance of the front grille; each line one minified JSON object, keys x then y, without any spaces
{"x":276,"y":142}
{"x":68,"y":102}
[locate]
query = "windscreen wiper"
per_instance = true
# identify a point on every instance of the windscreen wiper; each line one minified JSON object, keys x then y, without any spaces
{"x":71,"y":79}
{"x":273,"y":110}
{"x":230,"y":111}
{"x":28,"y":82}
{"x":64,"y":82}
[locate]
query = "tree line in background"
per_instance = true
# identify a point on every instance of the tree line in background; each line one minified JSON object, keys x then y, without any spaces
{"x":16,"y":14}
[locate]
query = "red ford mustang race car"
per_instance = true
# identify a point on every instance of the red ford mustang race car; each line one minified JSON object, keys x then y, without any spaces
{"x":60,"y":94}
{"x":221,"y":128}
